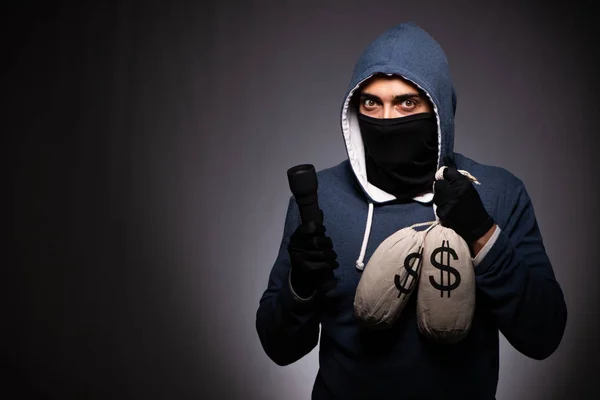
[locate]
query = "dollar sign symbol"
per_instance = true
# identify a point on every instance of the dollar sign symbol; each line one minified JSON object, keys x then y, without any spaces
{"x":445,"y":248}
{"x":408,"y":265}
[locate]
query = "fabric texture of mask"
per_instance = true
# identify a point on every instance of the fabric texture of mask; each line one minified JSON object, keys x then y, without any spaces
{"x":401,"y":153}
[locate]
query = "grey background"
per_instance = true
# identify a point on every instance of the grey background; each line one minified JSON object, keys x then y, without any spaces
{"x":147,"y":150}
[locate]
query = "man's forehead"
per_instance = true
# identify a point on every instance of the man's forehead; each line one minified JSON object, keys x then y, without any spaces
{"x":387,"y":84}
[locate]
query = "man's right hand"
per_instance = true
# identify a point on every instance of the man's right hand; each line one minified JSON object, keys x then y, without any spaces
{"x":313,"y":260}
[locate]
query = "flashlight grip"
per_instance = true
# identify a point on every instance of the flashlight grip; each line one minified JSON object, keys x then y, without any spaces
{"x":303,"y":184}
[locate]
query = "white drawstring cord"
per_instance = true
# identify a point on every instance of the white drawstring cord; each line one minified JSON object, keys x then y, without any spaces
{"x":359,"y":263}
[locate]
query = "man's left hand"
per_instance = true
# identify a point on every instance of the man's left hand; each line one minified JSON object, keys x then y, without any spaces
{"x":459,"y":206}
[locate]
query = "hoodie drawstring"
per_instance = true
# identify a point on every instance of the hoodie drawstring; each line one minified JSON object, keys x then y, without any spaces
{"x":359,"y":263}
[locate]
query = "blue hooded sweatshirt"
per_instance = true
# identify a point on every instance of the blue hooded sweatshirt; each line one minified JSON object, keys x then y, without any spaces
{"x":516,"y":290}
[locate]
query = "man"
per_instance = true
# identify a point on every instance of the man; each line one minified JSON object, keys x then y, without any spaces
{"x":398,"y":127}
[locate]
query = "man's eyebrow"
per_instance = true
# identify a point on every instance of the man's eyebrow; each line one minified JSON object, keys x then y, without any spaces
{"x":367,"y":96}
{"x":406,"y":96}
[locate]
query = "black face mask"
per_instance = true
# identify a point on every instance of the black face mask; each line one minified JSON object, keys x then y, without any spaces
{"x":401,"y":153}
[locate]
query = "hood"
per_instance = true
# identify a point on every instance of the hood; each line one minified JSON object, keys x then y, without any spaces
{"x":408,"y":51}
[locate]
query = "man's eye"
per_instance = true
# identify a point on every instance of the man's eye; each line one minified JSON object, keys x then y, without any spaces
{"x":368,"y":103}
{"x":408,"y":103}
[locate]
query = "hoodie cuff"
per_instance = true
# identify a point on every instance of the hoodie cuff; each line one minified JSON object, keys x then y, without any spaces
{"x":485,"y":250}
{"x":494,"y":255}
{"x":291,"y":298}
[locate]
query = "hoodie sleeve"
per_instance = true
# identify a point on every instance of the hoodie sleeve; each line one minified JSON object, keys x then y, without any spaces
{"x":517,"y":283}
{"x":287,"y":326}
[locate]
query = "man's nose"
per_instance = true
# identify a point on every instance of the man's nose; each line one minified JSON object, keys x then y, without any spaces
{"x":388,"y":111}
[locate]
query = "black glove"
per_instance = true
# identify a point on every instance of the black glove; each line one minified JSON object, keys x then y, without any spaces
{"x":459,"y":206}
{"x":313,"y":260}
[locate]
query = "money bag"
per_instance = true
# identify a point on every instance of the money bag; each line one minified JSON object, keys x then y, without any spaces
{"x":446,"y":288}
{"x":389,"y":278}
